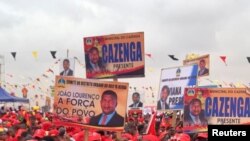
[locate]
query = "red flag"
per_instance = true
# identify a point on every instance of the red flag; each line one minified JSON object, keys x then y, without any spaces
{"x":223,"y":58}
{"x":148,"y":54}
{"x":151,"y":129}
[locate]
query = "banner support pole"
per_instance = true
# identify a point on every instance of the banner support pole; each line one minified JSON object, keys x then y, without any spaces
{"x":119,"y":133}
{"x":86,"y":134}
{"x":174,"y":118}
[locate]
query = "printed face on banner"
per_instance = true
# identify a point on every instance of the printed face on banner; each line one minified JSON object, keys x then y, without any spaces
{"x":194,"y":112}
{"x":67,"y":67}
{"x":90,"y":103}
{"x":117,"y":55}
{"x":135,"y":100}
{"x":172,"y":84}
{"x":203,"y":62}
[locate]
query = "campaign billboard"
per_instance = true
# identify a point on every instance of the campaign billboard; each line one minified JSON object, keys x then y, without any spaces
{"x":90,"y":103}
{"x":172,"y":84}
{"x":203,"y":62}
{"x":116,"y":55}
{"x":215,"y":106}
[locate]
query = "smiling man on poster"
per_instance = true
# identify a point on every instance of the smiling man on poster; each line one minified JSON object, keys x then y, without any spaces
{"x":109,"y":117}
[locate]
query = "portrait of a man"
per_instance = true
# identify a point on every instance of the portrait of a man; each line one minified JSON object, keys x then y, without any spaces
{"x":94,"y":62}
{"x":66,"y":68}
{"x":194,"y":114}
{"x":136,"y":101}
{"x":162,"y":103}
{"x":203,"y":70}
{"x":109,"y":117}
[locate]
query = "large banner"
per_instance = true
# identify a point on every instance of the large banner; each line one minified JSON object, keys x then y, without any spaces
{"x":215,"y":106}
{"x":116,"y":55}
{"x":172,"y":84}
{"x":90,"y":103}
{"x":203,"y":62}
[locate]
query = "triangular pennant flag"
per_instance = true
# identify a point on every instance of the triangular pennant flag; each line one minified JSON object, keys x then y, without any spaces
{"x":151,"y":88}
{"x":13,"y":55}
{"x":248,"y":59}
{"x":232,"y":85}
{"x":148,"y":54}
{"x":10,"y":75}
{"x":35,"y":54}
{"x":50,"y":70}
{"x":223,"y":58}
{"x":44,"y":75}
{"x":57,"y":61}
{"x":151,"y":69}
{"x":53,"y":53}
{"x":173,"y":58}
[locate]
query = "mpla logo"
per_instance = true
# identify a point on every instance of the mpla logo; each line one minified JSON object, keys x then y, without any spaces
{"x":61,"y":82}
{"x":89,"y":41}
{"x":190,"y":92}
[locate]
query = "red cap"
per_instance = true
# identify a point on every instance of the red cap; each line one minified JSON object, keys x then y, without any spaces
{"x":46,"y":125}
{"x":150,"y":137}
{"x":94,"y":136}
{"x":74,"y":131}
{"x":40,"y":133}
{"x":127,"y":136}
{"x":183,"y":137}
{"x":53,"y":132}
{"x":105,"y":138}
{"x":16,"y":122}
{"x":19,"y":132}
{"x":79,"y":136}
{"x":202,"y":135}
{"x":8,"y":125}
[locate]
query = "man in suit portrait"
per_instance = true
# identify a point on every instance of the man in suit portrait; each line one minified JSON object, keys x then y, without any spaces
{"x":66,"y":70}
{"x":162,"y":103}
{"x":109,"y":117}
{"x":194,"y":114}
{"x":203,"y":70}
{"x":94,"y":62}
{"x":136,"y":101}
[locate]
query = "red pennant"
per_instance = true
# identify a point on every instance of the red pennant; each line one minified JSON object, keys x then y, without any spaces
{"x":50,"y":70}
{"x":223,"y":58}
{"x":148,"y":54}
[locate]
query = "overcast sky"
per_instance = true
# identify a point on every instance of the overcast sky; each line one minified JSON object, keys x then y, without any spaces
{"x":179,"y":27}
